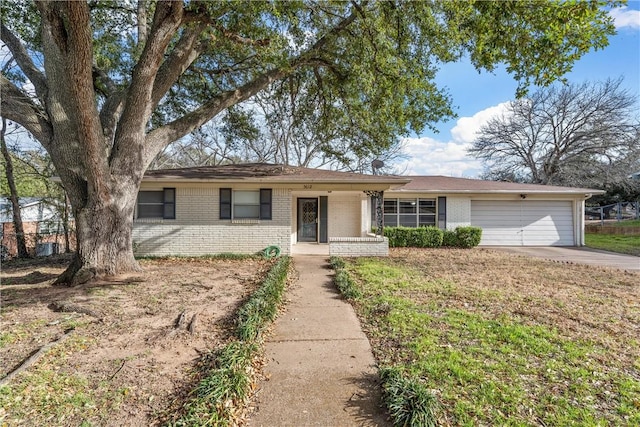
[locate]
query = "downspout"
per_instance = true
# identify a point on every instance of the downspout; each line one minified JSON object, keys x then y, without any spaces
{"x":579,"y":215}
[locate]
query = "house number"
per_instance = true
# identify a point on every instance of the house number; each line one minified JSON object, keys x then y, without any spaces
{"x":307,"y":186}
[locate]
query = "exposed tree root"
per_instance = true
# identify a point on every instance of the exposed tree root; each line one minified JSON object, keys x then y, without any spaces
{"x":192,"y":324}
{"x":34,"y":358}
{"x":67,"y":307}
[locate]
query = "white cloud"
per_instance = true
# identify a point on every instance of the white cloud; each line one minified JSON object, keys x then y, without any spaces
{"x":625,"y":17}
{"x":429,"y":156}
{"x":466,"y":127}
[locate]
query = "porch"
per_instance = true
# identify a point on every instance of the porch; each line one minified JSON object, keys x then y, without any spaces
{"x":344,"y":246}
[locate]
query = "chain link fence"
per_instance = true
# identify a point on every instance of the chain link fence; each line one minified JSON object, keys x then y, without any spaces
{"x":615,"y":212}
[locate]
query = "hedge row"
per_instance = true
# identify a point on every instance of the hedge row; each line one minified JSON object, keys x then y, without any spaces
{"x":433,"y":237}
{"x":229,"y":373}
{"x":343,"y":280}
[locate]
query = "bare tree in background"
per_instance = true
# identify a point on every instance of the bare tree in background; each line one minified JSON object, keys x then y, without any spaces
{"x":282,"y":125}
{"x":574,"y":135}
{"x":203,"y":147}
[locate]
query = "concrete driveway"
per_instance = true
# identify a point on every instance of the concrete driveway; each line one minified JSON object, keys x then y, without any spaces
{"x":576,"y":255}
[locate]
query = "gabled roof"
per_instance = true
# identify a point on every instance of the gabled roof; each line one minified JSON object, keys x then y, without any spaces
{"x":267,"y":173}
{"x":446,"y":184}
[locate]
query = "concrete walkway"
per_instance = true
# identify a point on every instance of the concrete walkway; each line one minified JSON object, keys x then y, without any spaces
{"x":577,"y":255}
{"x":320,"y":367}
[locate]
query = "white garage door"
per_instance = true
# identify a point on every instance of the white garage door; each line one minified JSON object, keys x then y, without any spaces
{"x":523,"y":223}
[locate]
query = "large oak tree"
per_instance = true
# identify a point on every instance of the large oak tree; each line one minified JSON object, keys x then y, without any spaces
{"x":104,"y":86}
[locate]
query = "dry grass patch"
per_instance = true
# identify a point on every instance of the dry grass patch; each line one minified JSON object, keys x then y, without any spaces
{"x":127,"y":360}
{"x":505,"y":339}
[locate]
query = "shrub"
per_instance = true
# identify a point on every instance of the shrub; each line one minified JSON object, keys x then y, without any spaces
{"x":468,"y":237}
{"x":346,"y":285}
{"x":449,"y":238}
{"x":420,"y":237}
{"x":336,"y":262}
{"x":263,"y":305}
{"x":428,"y":237}
{"x":397,"y":236}
{"x":410,"y":402}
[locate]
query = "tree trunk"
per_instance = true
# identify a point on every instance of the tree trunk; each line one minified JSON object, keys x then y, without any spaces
{"x":15,"y":205}
{"x":104,"y":238}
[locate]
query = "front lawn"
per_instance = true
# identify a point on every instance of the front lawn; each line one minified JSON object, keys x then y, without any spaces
{"x":137,"y":351}
{"x":506,"y":340}
{"x":614,"y":242}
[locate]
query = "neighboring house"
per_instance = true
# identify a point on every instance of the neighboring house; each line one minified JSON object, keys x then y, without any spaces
{"x":41,"y":224}
{"x":246,"y":208}
{"x":32,"y":209}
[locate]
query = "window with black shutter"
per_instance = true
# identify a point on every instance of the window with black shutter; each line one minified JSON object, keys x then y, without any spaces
{"x":157,"y":204}
{"x":225,"y":203}
{"x":265,"y":203}
{"x":246,"y":204}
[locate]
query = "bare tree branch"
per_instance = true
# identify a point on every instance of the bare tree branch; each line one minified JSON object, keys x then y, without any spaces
{"x":559,"y":132}
{"x":18,"y":107}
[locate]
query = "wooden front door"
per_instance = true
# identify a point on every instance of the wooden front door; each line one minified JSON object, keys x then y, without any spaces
{"x":307,"y":220}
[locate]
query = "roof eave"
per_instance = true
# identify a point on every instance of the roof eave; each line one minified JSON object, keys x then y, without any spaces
{"x":582,"y":191}
{"x":394,"y":181}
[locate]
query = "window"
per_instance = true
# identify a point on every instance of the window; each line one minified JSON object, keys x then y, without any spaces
{"x":390,"y":212}
{"x":245,"y":204}
{"x":409,"y":212}
{"x":427,"y":212}
{"x":157,"y":204}
{"x":49,"y":227}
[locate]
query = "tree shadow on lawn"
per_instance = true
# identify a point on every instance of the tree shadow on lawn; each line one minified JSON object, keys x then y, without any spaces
{"x":32,"y":278}
{"x":36,"y":288}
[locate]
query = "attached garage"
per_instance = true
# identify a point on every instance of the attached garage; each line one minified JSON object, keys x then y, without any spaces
{"x":524,"y":222}
{"x":509,"y":213}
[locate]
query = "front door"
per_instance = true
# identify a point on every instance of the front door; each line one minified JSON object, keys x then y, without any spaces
{"x":307,"y":220}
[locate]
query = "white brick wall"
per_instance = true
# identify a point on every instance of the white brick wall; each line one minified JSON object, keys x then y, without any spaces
{"x":458,"y":212}
{"x":358,"y":246}
{"x":345,"y":211}
{"x":197,"y":229}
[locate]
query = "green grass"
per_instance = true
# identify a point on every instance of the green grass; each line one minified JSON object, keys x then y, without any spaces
{"x":68,"y":398}
{"x":614,"y":242}
{"x":484,"y":368}
{"x":626,"y":223}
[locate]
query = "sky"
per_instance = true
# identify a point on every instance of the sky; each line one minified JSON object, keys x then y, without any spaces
{"x":478,"y":97}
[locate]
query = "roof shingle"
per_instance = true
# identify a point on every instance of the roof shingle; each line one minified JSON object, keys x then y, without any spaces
{"x":267,"y":172}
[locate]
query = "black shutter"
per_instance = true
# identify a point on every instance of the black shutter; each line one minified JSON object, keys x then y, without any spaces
{"x":265,"y":203}
{"x":169,"y":202}
{"x":324,"y":214}
{"x":442,"y":213}
{"x":225,"y":203}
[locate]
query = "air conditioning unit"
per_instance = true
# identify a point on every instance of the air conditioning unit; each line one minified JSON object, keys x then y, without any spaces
{"x":46,"y":249}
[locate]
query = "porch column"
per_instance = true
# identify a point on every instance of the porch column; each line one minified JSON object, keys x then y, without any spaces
{"x":378,"y":198}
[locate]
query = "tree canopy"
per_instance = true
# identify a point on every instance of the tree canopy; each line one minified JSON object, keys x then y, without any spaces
{"x":104,"y":85}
